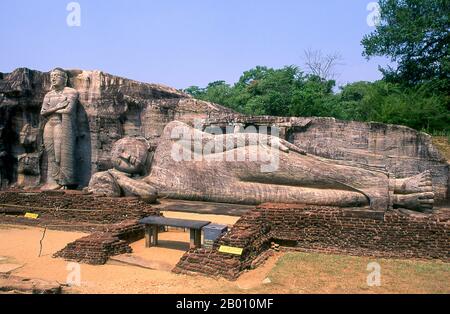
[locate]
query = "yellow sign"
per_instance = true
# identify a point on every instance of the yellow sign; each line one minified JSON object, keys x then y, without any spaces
{"x":31,"y":216}
{"x":230,"y":250}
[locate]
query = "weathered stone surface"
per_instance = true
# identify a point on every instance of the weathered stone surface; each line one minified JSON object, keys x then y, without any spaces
{"x":111,"y":108}
{"x":15,"y":284}
{"x":251,"y":168}
{"x":396,"y":149}
{"x":58,"y":115}
{"x":130,"y":158}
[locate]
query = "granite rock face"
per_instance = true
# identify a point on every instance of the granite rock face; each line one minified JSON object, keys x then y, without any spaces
{"x":112,"y":107}
{"x":399,"y":150}
{"x":109,"y":108}
{"x":251,"y":168}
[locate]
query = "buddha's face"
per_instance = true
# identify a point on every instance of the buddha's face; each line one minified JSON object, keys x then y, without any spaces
{"x":129,"y":155}
{"x":58,"y":79}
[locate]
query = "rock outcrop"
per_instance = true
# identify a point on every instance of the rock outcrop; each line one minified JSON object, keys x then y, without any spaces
{"x":18,"y":285}
{"x":109,"y":108}
{"x":397,"y":149}
{"x":112,"y":107}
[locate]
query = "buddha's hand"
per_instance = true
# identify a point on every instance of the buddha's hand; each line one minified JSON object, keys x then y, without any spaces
{"x":62,"y":106}
{"x":117,"y":175}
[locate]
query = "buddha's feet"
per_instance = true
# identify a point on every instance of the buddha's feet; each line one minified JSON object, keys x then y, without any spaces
{"x":416,"y":201}
{"x":420,"y":183}
{"x":51,"y":187}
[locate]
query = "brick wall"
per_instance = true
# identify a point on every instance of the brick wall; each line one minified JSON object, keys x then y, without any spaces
{"x":113,"y":220}
{"x":251,"y":232}
{"x":322,"y":229}
{"x":96,"y":248}
{"x":338,"y":230}
{"x":70,"y":211}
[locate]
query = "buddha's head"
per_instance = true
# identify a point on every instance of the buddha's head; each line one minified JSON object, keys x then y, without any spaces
{"x":58,"y":78}
{"x":130,"y":155}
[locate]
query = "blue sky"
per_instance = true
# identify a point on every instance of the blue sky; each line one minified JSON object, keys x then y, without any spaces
{"x":184,"y":42}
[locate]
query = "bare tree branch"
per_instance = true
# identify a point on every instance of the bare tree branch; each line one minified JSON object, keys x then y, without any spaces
{"x":321,"y":65}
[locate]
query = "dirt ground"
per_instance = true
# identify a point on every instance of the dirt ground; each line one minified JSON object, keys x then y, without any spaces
{"x":283,"y":273}
{"x":20,"y":245}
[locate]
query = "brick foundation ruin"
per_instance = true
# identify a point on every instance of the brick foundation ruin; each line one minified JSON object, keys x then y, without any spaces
{"x":355,"y":231}
{"x":322,"y":229}
{"x":96,"y":248}
{"x":70,"y":210}
{"x":113,"y":221}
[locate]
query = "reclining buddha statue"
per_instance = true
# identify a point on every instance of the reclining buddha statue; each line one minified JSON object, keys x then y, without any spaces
{"x":250,"y":168}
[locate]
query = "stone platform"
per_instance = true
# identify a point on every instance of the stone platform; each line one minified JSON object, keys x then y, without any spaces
{"x":202,"y":207}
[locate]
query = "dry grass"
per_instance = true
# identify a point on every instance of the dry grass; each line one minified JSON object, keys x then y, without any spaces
{"x":443,"y":145}
{"x":323,"y":273}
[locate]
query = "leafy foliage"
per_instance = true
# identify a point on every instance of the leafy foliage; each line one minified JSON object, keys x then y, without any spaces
{"x":413,"y":33}
{"x":289,"y":92}
{"x":267,"y":91}
{"x":417,"y":107}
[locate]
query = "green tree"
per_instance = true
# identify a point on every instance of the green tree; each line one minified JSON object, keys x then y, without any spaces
{"x":289,"y":92}
{"x":218,"y":92}
{"x":419,"y":107}
{"x":415,"y":35}
{"x":313,"y":97}
{"x":267,"y":91}
{"x":195,"y":91}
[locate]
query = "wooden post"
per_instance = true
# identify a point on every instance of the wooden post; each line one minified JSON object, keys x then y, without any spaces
{"x":192,"y":238}
{"x":195,"y":239}
{"x":147,"y":235}
{"x":155,"y":235}
{"x":198,"y":238}
{"x":151,"y":235}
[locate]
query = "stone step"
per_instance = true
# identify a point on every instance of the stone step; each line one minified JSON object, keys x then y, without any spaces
{"x":132,"y":260}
